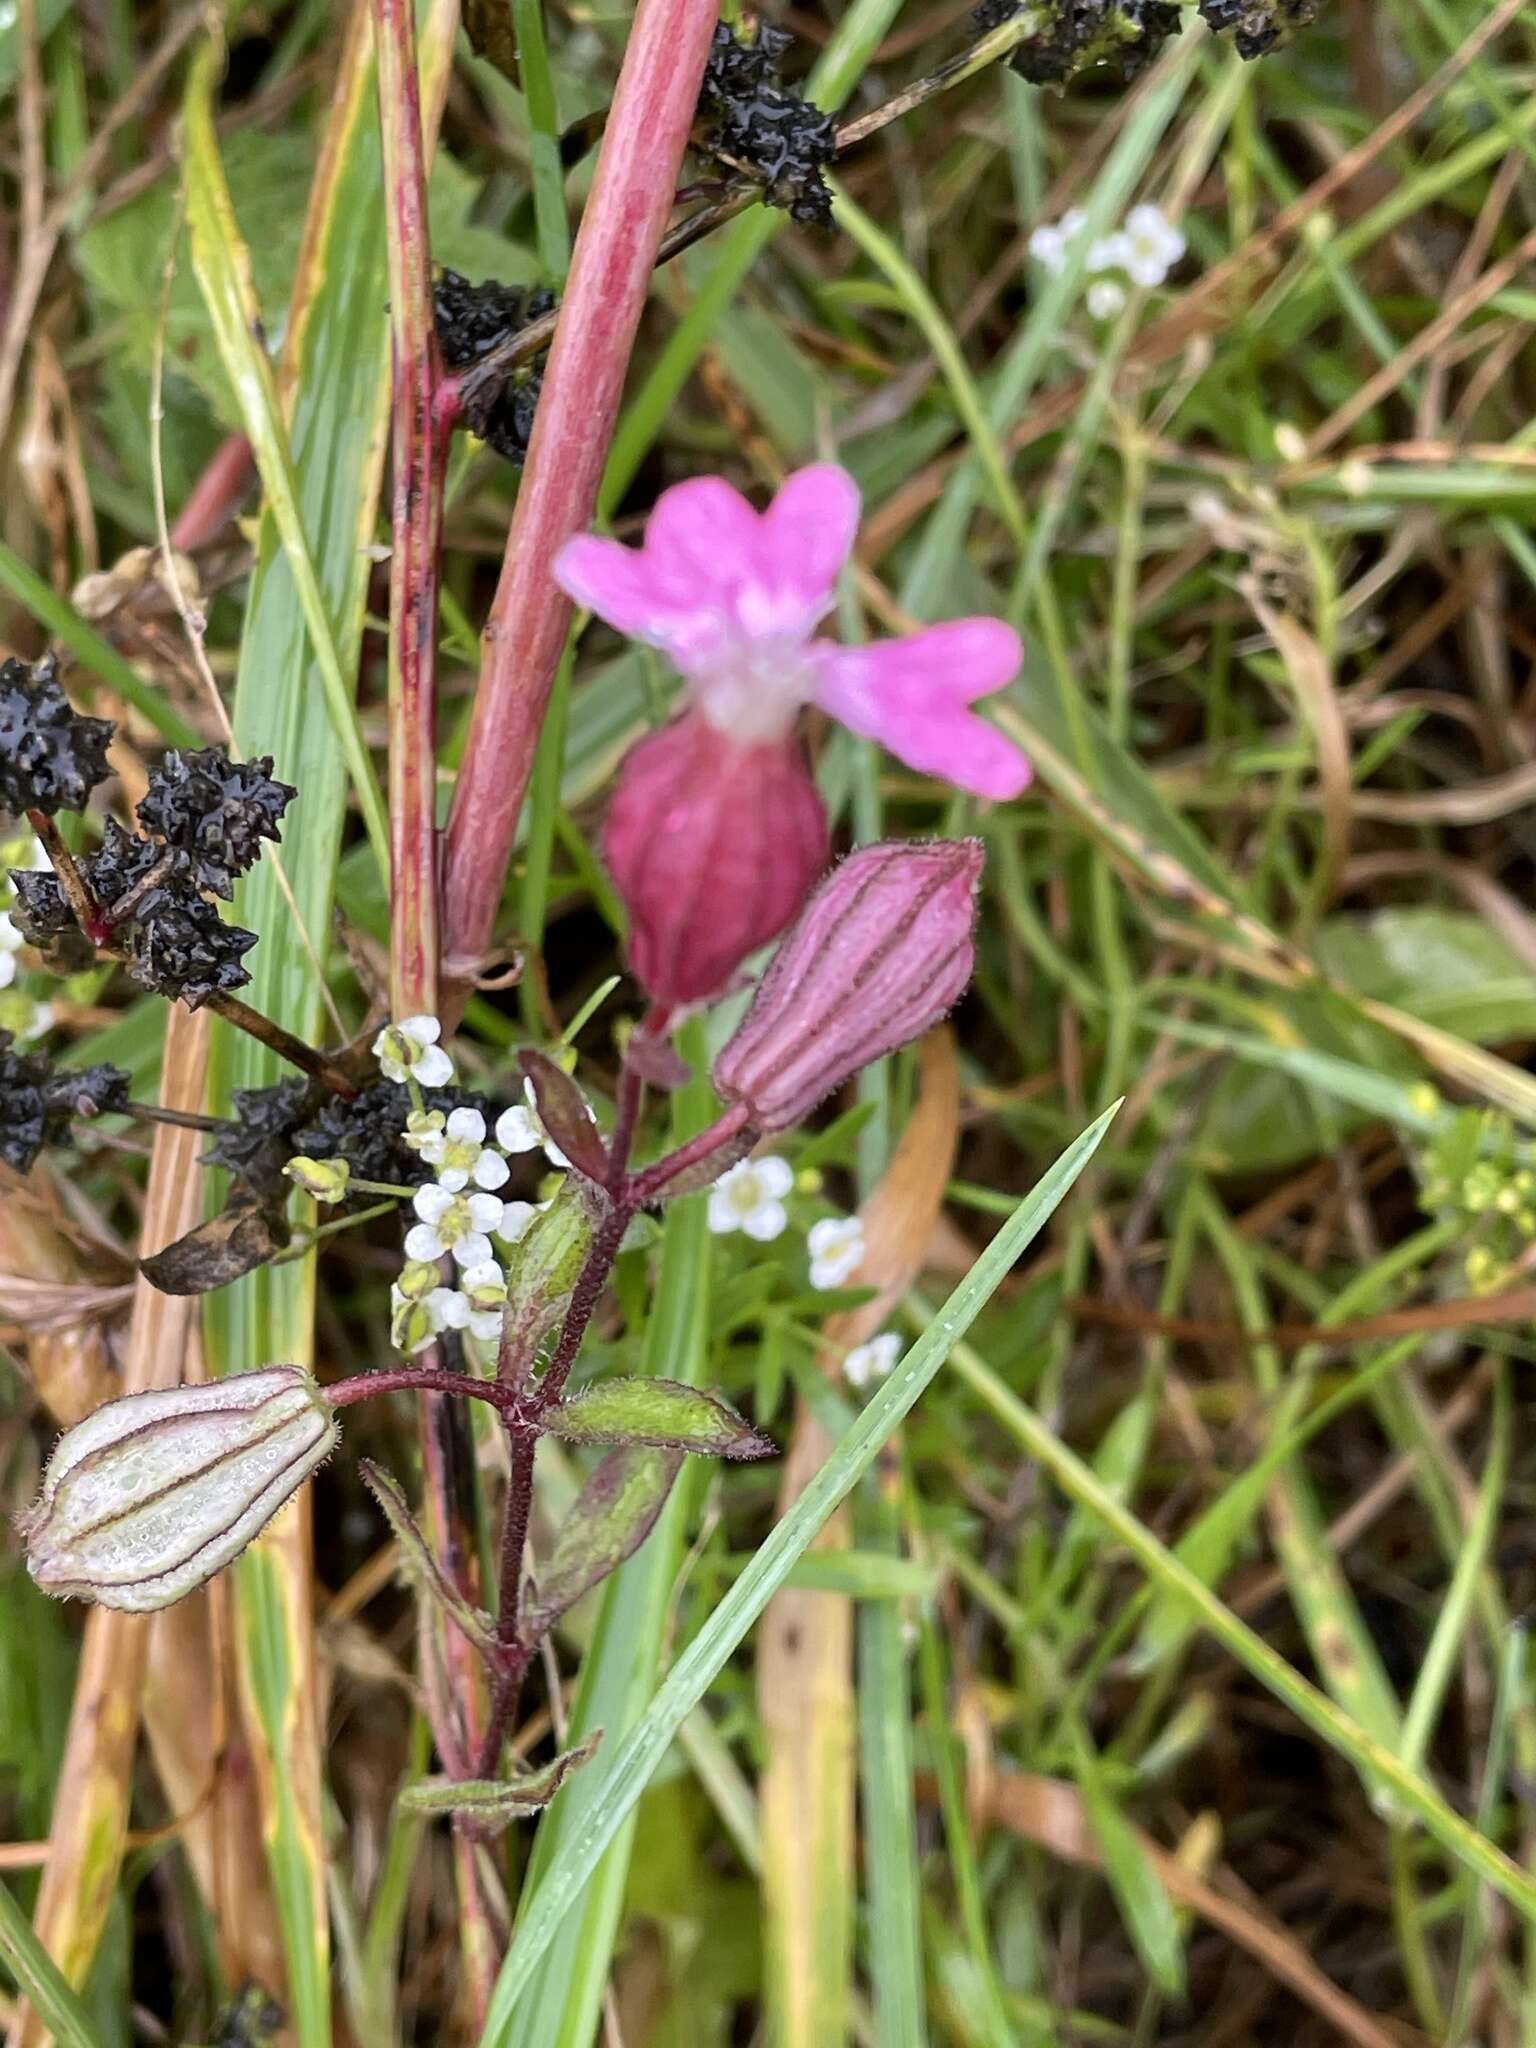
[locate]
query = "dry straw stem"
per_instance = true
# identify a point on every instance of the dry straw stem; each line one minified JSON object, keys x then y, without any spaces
{"x":805,"y":1649}
{"x":646,"y":135}
{"x":90,"y":1817}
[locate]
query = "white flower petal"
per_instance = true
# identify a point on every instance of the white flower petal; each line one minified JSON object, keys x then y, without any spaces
{"x":466,"y":1126}
{"x":515,"y":1219}
{"x":432,"y":1202}
{"x":486,"y":1274}
{"x":485,"y":1323}
{"x":434,"y":1069}
{"x":516,"y":1130}
{"x":472,"y":1249}
{"x":453,"y":1178}
{"x":7,"y":969}
{"x":423,"y":1242}
{"x":722,"y":1217}
{"x":766,"y":1222}
{"x":484,"y":1212}
{"x":448,"y":1308}
{"x":775,"y":1176}
{"x":425,"y":1030}
{"x":491,"y":1170}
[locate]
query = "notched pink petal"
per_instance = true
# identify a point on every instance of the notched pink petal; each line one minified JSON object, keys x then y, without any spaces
{"x":911,"y":695}
{"x":808,"y":533}
{"x":614,"y":582}
{"x":702,"y":542}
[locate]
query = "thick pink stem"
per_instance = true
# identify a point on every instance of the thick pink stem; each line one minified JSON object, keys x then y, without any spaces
{"x":215,"y":494}
{"x":637,"y":173}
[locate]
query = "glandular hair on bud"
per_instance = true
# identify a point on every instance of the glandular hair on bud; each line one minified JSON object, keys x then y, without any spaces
{"x":151,"y":1495}
{"x":882,"y":950}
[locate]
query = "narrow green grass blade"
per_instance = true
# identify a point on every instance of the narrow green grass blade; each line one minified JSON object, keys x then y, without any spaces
{"x":618,"y":1785}
{"x":926,"y":315}
{"x":38,"y":1976}
{"x":1377,"y":1765}
{"x":890,"y":1834}
{"x":619,"y":1670}
{"x":1144,"y":1903}
{"x":222,"y":265}
{"x":61,"y":619}
{"x":551,"y":225}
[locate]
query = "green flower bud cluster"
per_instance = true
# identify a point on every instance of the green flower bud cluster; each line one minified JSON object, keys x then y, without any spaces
{"x":1475,"y":1170}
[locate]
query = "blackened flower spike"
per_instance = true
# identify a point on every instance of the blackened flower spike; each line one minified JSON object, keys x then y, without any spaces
{"x":51,"y":756}
{"x":757,"y":123}
{"x":177,"y":943}
{"x":471,"y":320}
{"x":1075,"y":36}
{"x":214,"y":812}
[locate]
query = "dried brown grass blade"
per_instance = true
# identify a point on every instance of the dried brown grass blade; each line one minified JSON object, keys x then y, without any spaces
{"x":90,"y":1819}
{"x":805,"y":1655}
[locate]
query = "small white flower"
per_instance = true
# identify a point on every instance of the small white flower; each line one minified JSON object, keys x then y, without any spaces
{"x":750,"y":1198}
{"x":836,"y":1246}
{"x":1153,"y":245}
{"x":515,"y":1219}
{"x":460,"y":1154}
{"x":409,"y":1051}
{"x":485,"y":1289}
{"x":421,"y":1127}
{"x":1110,"y":252}
{"x":871,"y":1361}
{"x":412,"y":1322}
{"x":1105,"y":298}
{"x":455,"y":1223}
{"x":516,"y":1130}
{"x":1051,"y":241}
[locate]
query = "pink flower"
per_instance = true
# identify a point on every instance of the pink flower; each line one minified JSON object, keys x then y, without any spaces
{"x":733,"y":598}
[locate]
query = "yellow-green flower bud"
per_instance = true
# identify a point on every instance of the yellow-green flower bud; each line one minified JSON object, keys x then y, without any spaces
{"x":151,"y":1495}
{"x":325,"y":1179}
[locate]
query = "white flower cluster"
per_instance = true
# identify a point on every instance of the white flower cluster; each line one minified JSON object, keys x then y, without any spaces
{"x":19,"y":1014}
{"x":459,"y":1215}
{"x":750,"y":1198}
{"x":1144,"y":251}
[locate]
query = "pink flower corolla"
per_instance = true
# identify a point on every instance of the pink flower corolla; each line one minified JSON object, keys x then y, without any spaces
{"x":715,"y":833}
{"x":733,"y":597}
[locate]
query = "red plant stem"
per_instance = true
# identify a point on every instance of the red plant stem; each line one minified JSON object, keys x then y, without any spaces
{"x":215,"y":495}
{"x":654,"y":105}
{"x":648,"y":1184}
{"x":419,"y":443}
{"x":507,"y":1685}
{"x":363,"y":1386}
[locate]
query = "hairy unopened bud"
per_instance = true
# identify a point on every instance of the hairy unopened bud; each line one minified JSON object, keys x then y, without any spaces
{"x":881,"y":951}
{"x":154,"y":1493}
{"x":713,"y":845}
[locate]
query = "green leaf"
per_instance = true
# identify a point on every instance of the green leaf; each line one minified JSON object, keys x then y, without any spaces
{"x":613,"y":1798}
{"x":497,"y":1800}
{"x":1139,"y":1891}
{"x":660,"y":1412}
{"x":609,"y":1520}
{"x":38,"y":1976}
{"x":418,"y":1561}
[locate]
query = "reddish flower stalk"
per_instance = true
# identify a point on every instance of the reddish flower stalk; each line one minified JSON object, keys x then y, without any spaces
{"x":215,"y":494}
{"x":647,"y":131}
{"x":419,"y":442}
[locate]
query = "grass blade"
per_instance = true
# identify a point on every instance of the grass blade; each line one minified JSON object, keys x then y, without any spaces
{"x":37,"y":1975}
{"x":618,"y":1786}
{"x":222,"y":265}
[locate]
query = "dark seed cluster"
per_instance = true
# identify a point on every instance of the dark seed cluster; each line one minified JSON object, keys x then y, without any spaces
{"x":1078,"y":35}
{"x":203,"y":819}
{"x":755,"y":122}
{"x":471,"y":320}
{"x":37,"y":1100}
{"x":1258,"y":26}
{"x":271,"y":1125}
{"x":51,"y":757}
{"x":214,"y":813}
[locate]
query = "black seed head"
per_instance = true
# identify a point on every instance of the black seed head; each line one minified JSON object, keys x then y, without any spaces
{"x":472,"y":319}
{"x":1258,"y":26}
{"x":367,"y":1130}
{"x":214,"y":812}
{"x":757,"y":123}
{"x":38,"y":1101}
{"x":51,"y":757}
{"x":176,"y":942}
{"x":256,"y":1143}
{"x":1083,"y":34}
